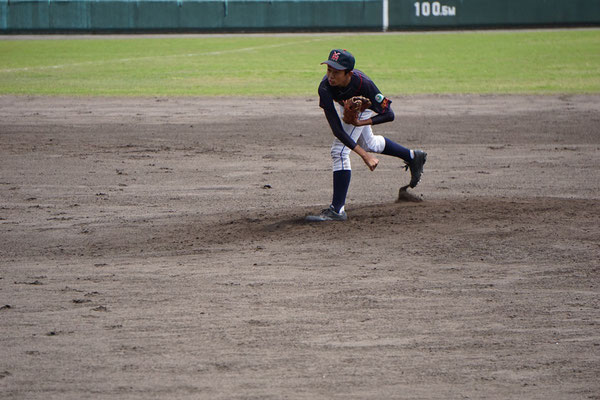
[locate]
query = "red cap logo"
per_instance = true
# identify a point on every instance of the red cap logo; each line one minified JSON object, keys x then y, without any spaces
{"x":335,"y":56}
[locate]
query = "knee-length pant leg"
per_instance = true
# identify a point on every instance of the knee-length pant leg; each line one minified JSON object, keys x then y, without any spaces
{"x":363,"y":135}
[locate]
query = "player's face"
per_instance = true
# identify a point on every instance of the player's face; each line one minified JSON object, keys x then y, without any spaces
{"x":337,"y":77}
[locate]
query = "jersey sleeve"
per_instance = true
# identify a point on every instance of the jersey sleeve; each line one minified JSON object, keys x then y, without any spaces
{"x":327,"y":104}
{"x":379,"y":103}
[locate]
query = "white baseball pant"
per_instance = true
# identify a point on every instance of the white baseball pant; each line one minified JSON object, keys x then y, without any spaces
{"x":362,"y":135}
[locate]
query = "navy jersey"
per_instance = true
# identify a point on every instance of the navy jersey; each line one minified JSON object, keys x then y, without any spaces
{"x":360,"y":85}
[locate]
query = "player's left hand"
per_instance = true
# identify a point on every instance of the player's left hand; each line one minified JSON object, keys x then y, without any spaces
{"x":362,"y":122}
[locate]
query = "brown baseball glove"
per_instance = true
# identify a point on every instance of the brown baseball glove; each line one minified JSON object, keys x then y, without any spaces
{"x":353,"y":107}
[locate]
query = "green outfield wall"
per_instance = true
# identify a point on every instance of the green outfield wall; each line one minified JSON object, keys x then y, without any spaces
{"x":408,"y":14}
{"x":17,"y":16}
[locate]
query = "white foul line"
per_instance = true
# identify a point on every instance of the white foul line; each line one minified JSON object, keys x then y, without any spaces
{"x":122,"y":60}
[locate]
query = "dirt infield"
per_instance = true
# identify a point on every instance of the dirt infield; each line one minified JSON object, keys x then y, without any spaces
{"x":155,"y":248}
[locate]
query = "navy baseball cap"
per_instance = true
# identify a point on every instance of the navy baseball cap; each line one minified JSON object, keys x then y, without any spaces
{"x":340,"y":59}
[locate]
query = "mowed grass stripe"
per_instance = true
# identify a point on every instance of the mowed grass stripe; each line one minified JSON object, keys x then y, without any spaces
{"x":147,"y":58}
{"x":537,"y":62}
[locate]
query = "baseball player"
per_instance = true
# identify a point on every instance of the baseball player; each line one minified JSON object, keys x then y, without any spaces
{"x":343,"y":82}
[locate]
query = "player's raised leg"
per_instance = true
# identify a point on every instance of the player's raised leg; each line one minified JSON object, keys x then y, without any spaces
{"x":413,"y":159}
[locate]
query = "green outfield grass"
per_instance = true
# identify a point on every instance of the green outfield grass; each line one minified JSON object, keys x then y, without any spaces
{"x":561,"y":61}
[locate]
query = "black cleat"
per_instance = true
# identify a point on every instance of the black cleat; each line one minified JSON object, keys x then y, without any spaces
{"x":416,"y":167}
